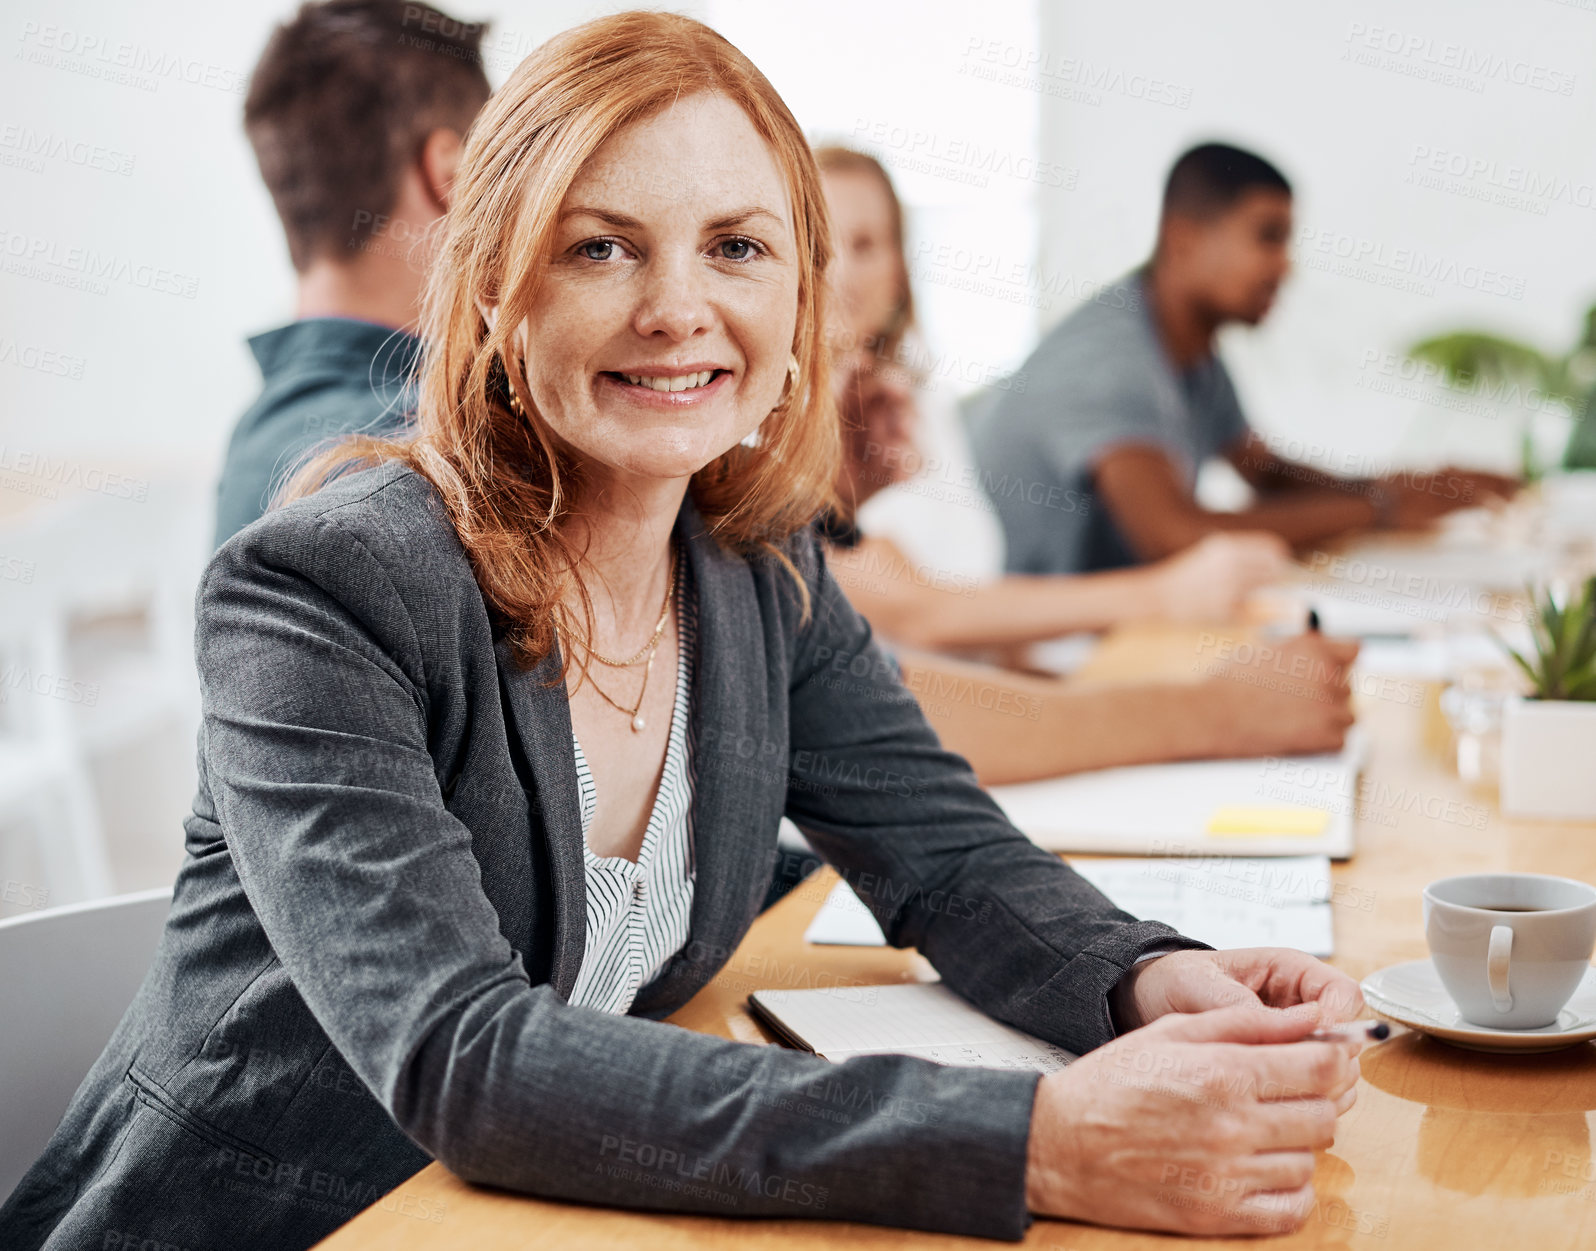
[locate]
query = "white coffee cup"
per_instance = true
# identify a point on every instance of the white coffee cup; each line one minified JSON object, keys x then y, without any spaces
{"x":1510,"y":948}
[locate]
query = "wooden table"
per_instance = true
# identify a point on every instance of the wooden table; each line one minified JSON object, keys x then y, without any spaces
{"x":1444,"y":1148}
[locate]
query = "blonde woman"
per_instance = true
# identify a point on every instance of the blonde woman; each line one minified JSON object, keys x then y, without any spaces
{"x":497,"y":734}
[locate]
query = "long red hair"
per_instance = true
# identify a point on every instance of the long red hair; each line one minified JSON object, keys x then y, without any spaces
{"x":504,"y":482}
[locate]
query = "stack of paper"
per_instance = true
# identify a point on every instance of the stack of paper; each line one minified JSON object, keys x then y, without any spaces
{"x":1438,"y":658}
{"x":843,"y":921}
{"x":1277,"y":806}
{"x":1224,"y":901}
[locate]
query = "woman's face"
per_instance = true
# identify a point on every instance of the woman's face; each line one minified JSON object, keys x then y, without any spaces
{"x":867,"y":275}
{"x":662,"y":333}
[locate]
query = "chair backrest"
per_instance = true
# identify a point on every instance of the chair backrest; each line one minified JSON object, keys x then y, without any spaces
{"x":66,"y":977}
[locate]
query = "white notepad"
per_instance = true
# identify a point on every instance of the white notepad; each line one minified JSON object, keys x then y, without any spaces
{"x":923,"y":1019}
{"x":1437,"y":658}
{"x":1167,"y":809}
{"x":1224,"y":902}
{"x":1281,"y":901}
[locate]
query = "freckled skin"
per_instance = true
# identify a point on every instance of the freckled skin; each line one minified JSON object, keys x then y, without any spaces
{"x":672,"y":289}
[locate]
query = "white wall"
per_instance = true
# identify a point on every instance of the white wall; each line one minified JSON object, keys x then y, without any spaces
{"x":893,"y":80}
{"x":1340,"y":95}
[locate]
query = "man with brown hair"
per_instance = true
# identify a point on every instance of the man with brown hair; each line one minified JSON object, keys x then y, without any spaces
{"x":357,"y":113}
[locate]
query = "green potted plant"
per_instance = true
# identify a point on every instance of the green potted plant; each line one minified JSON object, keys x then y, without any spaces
{"x":1498,"y":365}
{"x":1549,"y":736}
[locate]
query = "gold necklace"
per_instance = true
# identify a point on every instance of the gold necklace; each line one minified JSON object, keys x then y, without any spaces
{"x":651,"y":647}
{"x":635,"y":713}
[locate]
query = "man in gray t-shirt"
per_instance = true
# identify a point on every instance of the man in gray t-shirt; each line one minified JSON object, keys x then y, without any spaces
{"x":1098,"y":380}
{"x":1091,"y":454}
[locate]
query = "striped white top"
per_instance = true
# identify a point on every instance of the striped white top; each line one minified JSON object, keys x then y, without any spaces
{"x":639,"y":914}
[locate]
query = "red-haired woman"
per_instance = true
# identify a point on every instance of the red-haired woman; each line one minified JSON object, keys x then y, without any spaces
{"x":498,"y":729}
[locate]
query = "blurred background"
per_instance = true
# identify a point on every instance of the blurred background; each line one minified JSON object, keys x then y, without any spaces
{"x":1443,"y":156}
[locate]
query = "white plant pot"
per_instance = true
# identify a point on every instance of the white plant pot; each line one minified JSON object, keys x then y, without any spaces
{"x":1549,"y":759}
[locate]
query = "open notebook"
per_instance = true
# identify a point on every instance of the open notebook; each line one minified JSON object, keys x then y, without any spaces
{"x":1275,"y":806}
{"x":923,"y":1019}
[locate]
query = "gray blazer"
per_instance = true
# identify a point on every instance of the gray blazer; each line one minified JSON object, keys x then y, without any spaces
{"x":381,"y":913}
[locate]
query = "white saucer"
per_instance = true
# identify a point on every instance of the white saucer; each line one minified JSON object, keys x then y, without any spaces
{"x":1411,"y":994}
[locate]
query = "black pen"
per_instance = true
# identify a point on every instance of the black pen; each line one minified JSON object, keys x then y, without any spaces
{"x":1361,"y":1031}
{"x":1313,"y":621}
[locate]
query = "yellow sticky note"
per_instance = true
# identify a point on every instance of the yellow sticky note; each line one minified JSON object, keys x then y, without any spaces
{"x":1261,"y":819}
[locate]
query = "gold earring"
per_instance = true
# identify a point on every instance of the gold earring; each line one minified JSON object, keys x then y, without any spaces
{"x":791,"y":389}
{"x":516,"y":407}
